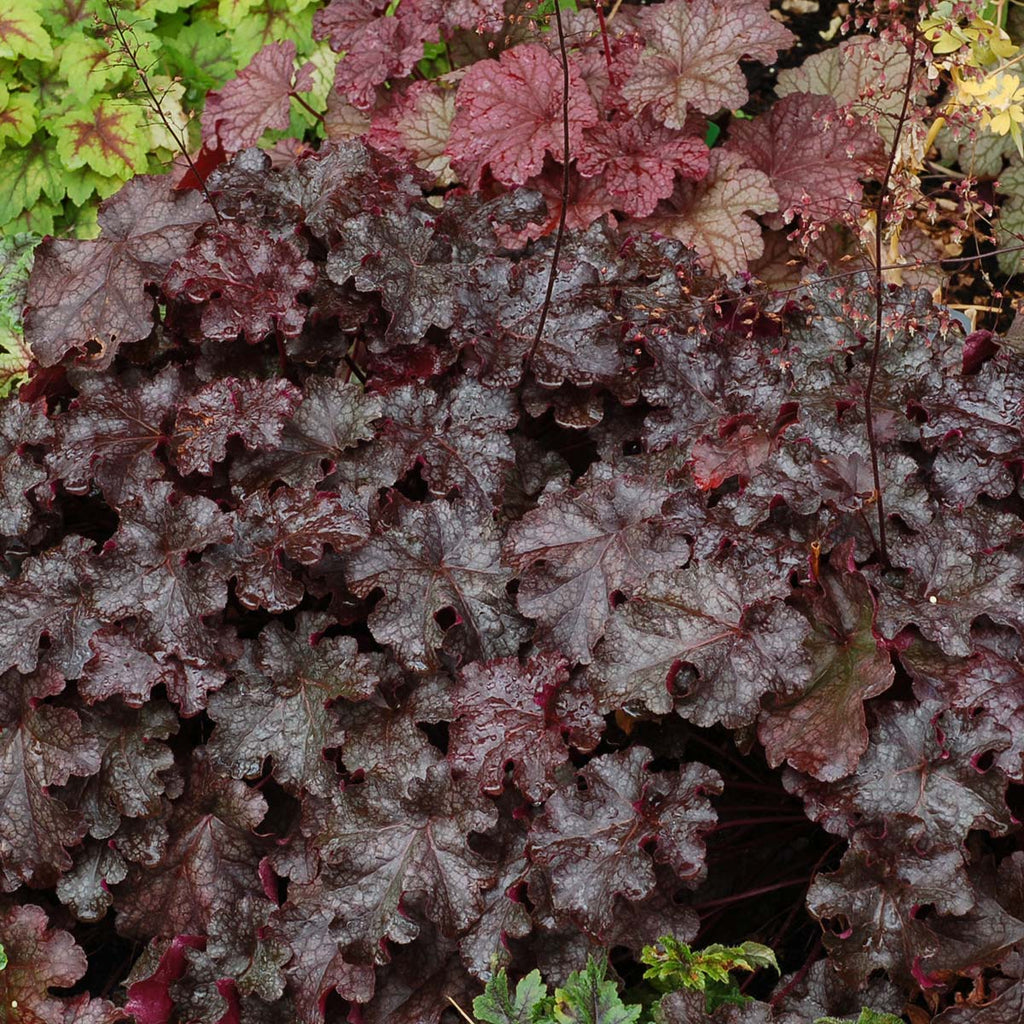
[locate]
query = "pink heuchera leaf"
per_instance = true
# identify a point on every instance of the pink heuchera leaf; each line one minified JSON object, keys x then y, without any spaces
{"x":814,"y":158}
{"x":694,"y":49}
{"x":416,"y":125}
{"x":375,"y":47}
{"x":85,"y":293}
{"x":510,"y":115}
{"x":714,"y":216}
{"x":640,"y":159}
{"x":257,"y":98}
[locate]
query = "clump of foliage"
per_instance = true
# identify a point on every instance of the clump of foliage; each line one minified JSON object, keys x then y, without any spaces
{"x":689,"y":985}
{"x":398,"y":588}
{"x":75,"y":122}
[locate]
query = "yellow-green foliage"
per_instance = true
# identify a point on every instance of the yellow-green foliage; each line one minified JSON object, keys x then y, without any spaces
{"x":74,"y":121}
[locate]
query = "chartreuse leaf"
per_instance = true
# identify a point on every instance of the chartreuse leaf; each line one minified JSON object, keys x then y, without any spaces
{"x":272,"y":22}
{"x":866,"y":1017}
{"x":90,"y":66}
{"x":16,"y":258}
{"x":499,"y":1006}
{"x":201,"y":56}
{"x":107,"y":135}
{"x":29,"y":172}
{"x":233,"y":12}
{"x":588,"y":998}
{"x":17,"y":119}
{"x":3,"y":957}
{"x":22,"y":33}
{"x":672,"y":965}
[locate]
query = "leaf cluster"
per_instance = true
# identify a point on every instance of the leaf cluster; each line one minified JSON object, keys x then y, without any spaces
{"x":352,"y":635}
{"x":75,"y":121}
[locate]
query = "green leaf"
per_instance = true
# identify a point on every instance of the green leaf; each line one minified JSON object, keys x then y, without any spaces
{"x":672,"y":965}
{"x":64,"y":19}
{"x":866,"y":1017}
{"x":273,"y":21}
{"x":588,"y":998}
{"x":3,"y":957}
{"x":29,"y":173}
{"x":498,"y":1006}
{"x":48,"y":90}
{"x":21,"y":31}
{"x":17,"y":252}
{"x":1009,"y":225}
{"x":201,"y":57}
{"x":17,"y":120}
{"x":107,"y":135}
{"x":233,"y":12}
{"x":90,"y":67}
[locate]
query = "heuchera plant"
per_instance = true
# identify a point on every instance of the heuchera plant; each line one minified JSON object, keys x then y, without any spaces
{"x":387,"y":602}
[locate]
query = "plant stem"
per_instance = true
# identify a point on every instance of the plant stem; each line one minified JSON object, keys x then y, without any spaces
{"x":869,"y":391}
{"x":565,"y":187}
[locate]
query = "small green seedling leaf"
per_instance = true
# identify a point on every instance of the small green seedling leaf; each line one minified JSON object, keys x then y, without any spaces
{"x":866,"y":1017}
{"x":3,"y":957}
{"x":498,"y":1006}
{"x":588,"y":998}
{"x":672,"y":965}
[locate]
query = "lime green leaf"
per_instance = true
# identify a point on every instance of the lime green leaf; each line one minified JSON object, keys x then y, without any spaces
{"x":17,"y":120}
{"x":498,"y":1006}
{"x":16,"y":258}
{"x":201,"y":56}
{"x":3,"y":957}
{"x":108,"y":135}
{"x":588,"y":998}
{"x":48,"y":89}
{"x":273,"y":21}
{"x":866,"y":1017}
{"x":672,"y":965}
{"x":64,"y":18}
{"x":233,"y":12}
{"x":21,"y":31}
{"x":28,"y":173}
{"x":90,"y":67}
{"x":1009,"y":225}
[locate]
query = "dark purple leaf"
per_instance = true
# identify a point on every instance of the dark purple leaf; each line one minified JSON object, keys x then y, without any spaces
{"x":508,"y":713}
{"x":254,"y":411}
{"x":210,"y":861}
{"x":725,"y":620}
{"x":248,"y":282}
{"x":581,"y":547}
{"x":821,"y":728}
{"x":40,"y":958}
{"x":41,"y":746}
{"x":922,"y":766}
{"x":297,"y":524}
{"x":90,"y":295}
{"x":428,"y":559}
{"x":384,"y":845}
{"x":594,"y":842}
{"x":280,"y":707}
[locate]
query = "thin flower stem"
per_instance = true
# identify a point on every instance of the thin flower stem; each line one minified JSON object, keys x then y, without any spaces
{"x":302,"y":103}
{"x":157,"y":106}
{"x":565,"y":187}
{"x":869,"y":391}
